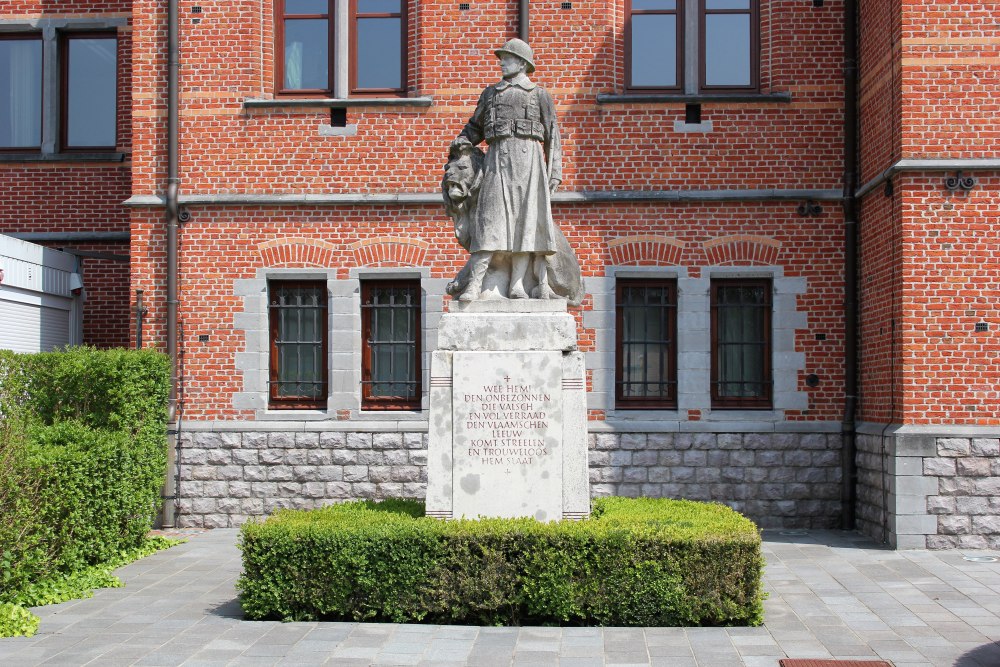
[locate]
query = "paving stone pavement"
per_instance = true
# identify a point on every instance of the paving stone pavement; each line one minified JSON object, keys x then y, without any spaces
{"x":832,"y":595}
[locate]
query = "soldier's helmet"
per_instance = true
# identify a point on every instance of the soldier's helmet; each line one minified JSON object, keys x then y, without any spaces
{"x":516,"y":47}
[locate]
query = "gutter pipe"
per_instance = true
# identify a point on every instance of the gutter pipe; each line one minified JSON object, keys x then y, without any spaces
{"x":849,"y":469}
{"x":169,"y":512}
{"x":522,"y":20}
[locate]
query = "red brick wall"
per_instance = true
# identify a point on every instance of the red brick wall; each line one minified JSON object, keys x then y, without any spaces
{"x":951,"y":281}
{"x":929,"y":90}
{"x":226,"y":149}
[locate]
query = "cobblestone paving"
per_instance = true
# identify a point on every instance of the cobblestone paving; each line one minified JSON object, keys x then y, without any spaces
{"x":832,"y":595}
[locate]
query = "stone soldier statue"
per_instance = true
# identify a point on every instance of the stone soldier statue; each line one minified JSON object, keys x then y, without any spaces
{"x":523,"y":166}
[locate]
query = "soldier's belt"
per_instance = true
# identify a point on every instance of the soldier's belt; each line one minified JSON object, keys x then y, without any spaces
{"x":516,"y":127}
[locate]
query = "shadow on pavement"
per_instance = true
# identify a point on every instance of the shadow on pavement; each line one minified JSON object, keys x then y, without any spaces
{"x":987,"y":655}
{"x":230,"y":609}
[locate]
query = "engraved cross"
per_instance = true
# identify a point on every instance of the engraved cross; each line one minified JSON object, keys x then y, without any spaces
{"x":506,"y":378}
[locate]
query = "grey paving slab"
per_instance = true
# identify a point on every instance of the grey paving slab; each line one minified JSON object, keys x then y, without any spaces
{"x":832,"y":595}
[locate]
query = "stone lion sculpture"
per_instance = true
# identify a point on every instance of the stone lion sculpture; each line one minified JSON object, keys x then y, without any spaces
{"x":463,"y":176}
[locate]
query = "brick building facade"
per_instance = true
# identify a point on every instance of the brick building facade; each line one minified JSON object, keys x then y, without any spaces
{"x":704,"y":176}
{"x":58,"y":187}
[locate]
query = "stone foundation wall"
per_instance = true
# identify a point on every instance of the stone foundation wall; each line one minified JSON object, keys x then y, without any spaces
{"x":870,"y":506}
{"x":967,"y":504}
{"x":227,"y":477}
{"x":922,"y":490}
{"x":778,"y":480}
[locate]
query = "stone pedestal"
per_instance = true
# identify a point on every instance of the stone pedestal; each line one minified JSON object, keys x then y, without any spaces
{"x":508,"y":420}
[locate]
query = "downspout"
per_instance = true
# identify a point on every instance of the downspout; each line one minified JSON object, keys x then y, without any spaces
{"x":849,"y":469}
{"x":169,"y":514}
{"x":522,"y":20}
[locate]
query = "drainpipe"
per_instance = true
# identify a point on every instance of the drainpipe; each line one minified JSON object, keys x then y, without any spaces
{"x":849,"y":467}
{"x":169,"y":514}
{"x":522,"y":20}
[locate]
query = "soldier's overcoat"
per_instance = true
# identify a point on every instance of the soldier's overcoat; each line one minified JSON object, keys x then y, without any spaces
{"x":517,"y":120}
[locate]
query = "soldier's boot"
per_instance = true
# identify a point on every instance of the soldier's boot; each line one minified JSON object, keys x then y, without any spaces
{"x":544,"y":290}
{"x":519,"y":266}
{"x":480,"y":261}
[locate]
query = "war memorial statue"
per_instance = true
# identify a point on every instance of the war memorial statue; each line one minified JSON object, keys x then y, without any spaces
{"x":501,"y":202}
{"x":507,"y":434}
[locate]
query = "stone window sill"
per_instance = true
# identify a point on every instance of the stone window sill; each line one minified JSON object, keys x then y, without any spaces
{"x":337,"y":102}
{"x":681,"y":98}
{"x":63,"y":157}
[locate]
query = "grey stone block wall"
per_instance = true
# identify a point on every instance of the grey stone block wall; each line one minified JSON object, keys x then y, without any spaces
{"x":780,"y":480}
{"x":785,"y":480}
{"x":967,"y":504}
{"x":228,"y":477}
{"x":870,"y":505}
{"x":920,"y":490}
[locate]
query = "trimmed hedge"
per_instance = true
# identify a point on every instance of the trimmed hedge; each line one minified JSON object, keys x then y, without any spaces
{"x":646,"y":562}
{"x":83,"y":454}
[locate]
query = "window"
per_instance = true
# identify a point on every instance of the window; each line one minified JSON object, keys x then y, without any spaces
{"x":717,"y":53}
{"x":309,"y":53}
{"x":21,"y":92}
{"x":298,"y":335}
{"x":390,"y":359}
{"x":89,"y":87}
{"x":653,"y":42}
{"x":728,"y":44}
{"x":646,"y":344}
{"x":82,"y":115}
{"x":741,"y":344}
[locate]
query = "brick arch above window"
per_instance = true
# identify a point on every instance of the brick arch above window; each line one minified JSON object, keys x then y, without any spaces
{"x":389,"y":251}
{"x":297,"y":252}
{"x":742,"y":249}
{"x":646,"y":250}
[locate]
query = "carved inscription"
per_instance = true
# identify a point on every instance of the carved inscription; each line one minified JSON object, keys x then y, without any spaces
{"x":506,"y":423}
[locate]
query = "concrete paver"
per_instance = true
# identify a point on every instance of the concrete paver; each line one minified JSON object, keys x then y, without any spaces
{"x":831,"y":595}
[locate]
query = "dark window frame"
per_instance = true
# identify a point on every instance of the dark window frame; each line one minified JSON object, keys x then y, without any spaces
{"x":678,"y":44}
{"x":276,"y":402}
{"x":667,"y":401}
{"x":64,"y":40}
{"x":280,"y":16}
{"x":754,"y":13}
{"x":25,"y":36}
{"x":765,"y":401}
{"x":353,"y":16}
{"x":388,"y":403}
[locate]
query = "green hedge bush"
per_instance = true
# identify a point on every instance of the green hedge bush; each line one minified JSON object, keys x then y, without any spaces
{"x":648,"y":562}
{"x":83,"y":454}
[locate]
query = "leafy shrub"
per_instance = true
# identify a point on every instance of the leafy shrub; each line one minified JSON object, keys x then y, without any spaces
{"x":83,"y":454}
{"x":16,"y":621}
{"x":634,"y":562}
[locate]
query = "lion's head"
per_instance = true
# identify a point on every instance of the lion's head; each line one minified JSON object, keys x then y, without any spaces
{"x":462,"y":177}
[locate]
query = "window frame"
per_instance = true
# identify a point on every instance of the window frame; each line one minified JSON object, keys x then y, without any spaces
{"x":352,"y":17}
{"x":754,"y":13}
{"x":275,"y":402}
{"x":668,"y":402}
{"x":678,"y":45}
{"x":390,"y":403}
{"x":25,"y":36}
{"x":340,"y":10}
{"x":64,"y":62}
{"x":766,"y":400}
{"x":280,"y":16}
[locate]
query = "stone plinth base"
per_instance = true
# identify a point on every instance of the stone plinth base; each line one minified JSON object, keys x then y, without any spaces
{"x":508,"y":415}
